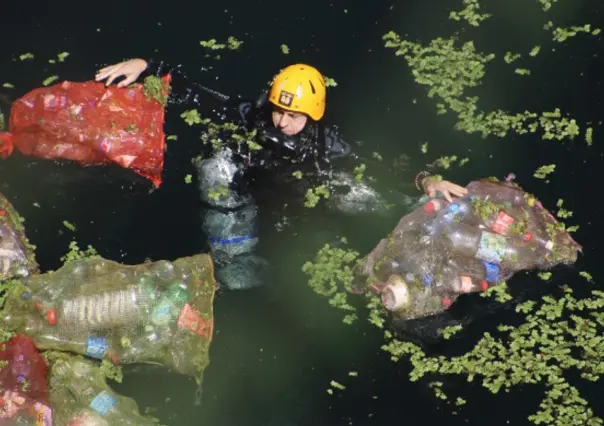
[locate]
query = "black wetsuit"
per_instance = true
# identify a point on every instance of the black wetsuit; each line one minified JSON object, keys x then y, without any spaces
{"x":224,"y":177}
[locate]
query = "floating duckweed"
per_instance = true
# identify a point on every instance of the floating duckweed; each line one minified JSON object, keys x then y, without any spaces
{"x":449,"y":70}
{"x":587,"y":276}
{"x":8,"y":85}
{"x":448,"y":332}
{"x":285,"y":49}
{"x":337,"y":385}
{"x":188,"y":178}
{"x":216,"y":192}
{"x":463,"y":161}
{"x":563,"y":213}
{"x":50,"y":80}
{"x":470,"y":13}
{"x":75,"y":253}
{"x":62,"y":56}
{"x":26,"y":56}
{"x":546,"y":4}
{"x":155,"y":88}
{"x":522,"y":71}
{"x":535,"y":51}
{"x":511,"y":57}
{"x":545,"y":276}
{"x":69,"y":226}
{"x":172,"y":137}
{"x":359,"y":171}
{"x":297,"y":174}
{"x":563,"y":34}
{"x":313,"y":195}
{"x":444,"y":162}
{"x":330,"y":82}
{"x":377,"y":156}
{"x":232,"y":44}
{"x":544,"y":171}
{"x":589,"y":133}
{"x":424,"y":148}
{"x":191,"y":117}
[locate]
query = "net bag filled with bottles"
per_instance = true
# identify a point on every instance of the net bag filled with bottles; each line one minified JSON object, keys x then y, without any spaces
{"x":23,"y":391}
{"x":158,"y":312}
{"x":80,"y":396}
{"x":17,"y":257}
{"x":93,"y":125}
{"x":442,"y":250}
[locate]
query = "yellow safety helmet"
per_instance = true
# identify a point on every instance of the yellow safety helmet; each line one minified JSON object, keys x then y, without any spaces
{"x":299,"y":88}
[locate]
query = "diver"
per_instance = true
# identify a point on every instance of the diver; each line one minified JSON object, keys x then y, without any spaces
{"x":288,"y":126}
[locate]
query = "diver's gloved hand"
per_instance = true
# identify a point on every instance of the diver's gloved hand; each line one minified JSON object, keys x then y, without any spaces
{"x":242,"y":272}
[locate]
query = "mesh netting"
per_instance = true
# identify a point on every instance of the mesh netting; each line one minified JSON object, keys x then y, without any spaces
{"x":93,"y":125}
{"x":442,"y":250}
{"x":23,"y":392}
{"x":80,"y":396}
{"x":158,"y":312}
{"x":16,"y":255}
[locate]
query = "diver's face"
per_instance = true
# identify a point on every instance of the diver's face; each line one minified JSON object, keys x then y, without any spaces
{"x":290,"y":123}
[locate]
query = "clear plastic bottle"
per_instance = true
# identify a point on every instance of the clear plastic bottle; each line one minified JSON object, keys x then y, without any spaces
{"x":171,"y":304}
{"x":111,"y":309}
{"x":454,"y":212}
{"x":493,"y":248}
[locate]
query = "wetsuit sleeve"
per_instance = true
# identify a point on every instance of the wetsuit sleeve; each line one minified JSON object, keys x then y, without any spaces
{"x":185,"y":90}
{"x":335,"y":145}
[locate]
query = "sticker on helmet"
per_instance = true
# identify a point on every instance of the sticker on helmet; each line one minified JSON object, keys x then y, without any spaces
{"x":286,"y":98}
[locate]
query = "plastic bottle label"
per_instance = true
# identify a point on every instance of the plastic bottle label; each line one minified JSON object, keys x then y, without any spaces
{"x":491,"y":248}
{"x":103,"y":402}
{"x":97,"y":347}
{"x":44,"y":415}
{"x":466,"y":284}
{"x":12,"y":404}
{"x":502,"y":223}
{"x":191,"y":320}
{"x":492,"y":272}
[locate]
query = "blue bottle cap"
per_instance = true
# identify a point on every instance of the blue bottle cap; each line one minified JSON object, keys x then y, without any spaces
{"x":453,"y":207}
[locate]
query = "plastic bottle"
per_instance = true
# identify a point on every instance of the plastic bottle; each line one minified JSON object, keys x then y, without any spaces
{"x":493,"y":248}
{"x":435,"y":205}
{"x":87,"y":418}
{"x":111,"y":309}
{"x":454,"y":212}
{"x":170,"y":305}
{"x":396,"y":295}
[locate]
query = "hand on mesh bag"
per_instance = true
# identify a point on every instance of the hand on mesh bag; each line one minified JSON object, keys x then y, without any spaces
{"x":434,"y":184}
{"x":131,"y":70}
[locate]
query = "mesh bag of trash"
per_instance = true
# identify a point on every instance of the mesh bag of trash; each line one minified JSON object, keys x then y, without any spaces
{"x":23,"y":392}
{"x":80,"y":396}
{"x":93,"y":125}
{"x":158,"y":312}
{"x":442,"y":250}
{"x":17,"y":257}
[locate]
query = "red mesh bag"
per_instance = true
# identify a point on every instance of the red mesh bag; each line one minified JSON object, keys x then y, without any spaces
{"x":23,"y":390}
{"x":93,"y":125}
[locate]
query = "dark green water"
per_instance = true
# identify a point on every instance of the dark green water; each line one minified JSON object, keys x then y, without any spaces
{"x":276,"y":349}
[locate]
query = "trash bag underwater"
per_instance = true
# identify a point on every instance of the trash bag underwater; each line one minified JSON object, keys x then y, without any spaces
{"x":80,"y":396}
{"x":93,"y":125}
{"x":442,"y":250}
{"x":24,"y":399}
{"x":17,"y":257}
{"x":158,"y":312}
